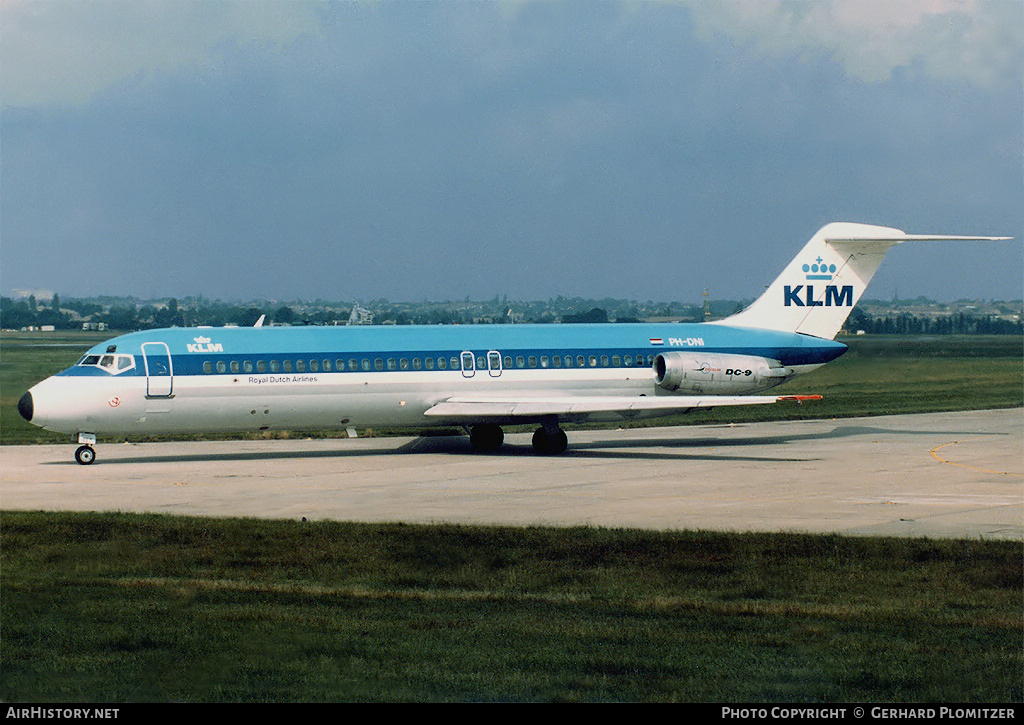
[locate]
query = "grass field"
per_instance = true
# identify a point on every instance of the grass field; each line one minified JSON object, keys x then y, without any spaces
{"x":117,"y":608}
{"x":879,"y":375}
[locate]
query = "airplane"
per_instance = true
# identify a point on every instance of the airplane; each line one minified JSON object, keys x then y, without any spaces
{"x":478,"y":377}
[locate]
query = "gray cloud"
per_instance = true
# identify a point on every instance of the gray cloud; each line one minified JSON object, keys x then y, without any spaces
{"x":446,"y":149}
{"x":978,"y":41}
{"x":58,"y":52}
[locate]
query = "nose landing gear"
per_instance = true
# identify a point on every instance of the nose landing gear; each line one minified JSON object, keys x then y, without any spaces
{"x":86,"y":454}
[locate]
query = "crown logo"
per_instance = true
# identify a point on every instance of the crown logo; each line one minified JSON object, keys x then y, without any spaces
{"x":819,"y":270}
{"x":201,"y":340}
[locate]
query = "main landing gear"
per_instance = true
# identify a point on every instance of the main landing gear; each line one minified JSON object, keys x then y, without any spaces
{"x":486,"y":437}
{"x":548,"y":440}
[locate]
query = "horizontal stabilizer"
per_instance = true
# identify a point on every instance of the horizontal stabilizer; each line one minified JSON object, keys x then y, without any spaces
{"x":899,"y":239}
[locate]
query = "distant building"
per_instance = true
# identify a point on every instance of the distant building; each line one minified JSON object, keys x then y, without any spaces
{"x":39,"y":294}
{"x":360,"y":316}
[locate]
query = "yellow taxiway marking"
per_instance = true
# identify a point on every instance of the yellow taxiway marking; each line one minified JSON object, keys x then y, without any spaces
{"x":940,"y":459}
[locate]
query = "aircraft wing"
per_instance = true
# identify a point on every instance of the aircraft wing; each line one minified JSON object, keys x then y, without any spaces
{"x":489,"y":406}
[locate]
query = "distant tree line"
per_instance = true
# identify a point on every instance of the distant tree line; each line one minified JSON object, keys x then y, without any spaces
{"x":28,"y":312}
{"x":957,"y":323}
{"x":119,"y":313}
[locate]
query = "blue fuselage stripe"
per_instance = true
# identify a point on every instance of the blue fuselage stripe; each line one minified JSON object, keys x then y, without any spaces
{"x":191,"y":348}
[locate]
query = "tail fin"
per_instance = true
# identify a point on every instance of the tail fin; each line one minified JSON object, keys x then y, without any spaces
{"x":817,"y":291}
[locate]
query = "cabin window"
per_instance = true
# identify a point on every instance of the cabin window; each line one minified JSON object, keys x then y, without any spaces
{"x":261,"y":366}
{"x":593,"y":361}
{"x":442,"y":363}
{"x":604,"y":361}
{"x":286,"y":365}
{"x":326,"y":366}
{"x":520,"y":361}
{"x":207,"y":367}
{"x":234,"y":366}
{"x":417,"y":364}
{"x":508,"y":361}
{"x":556,"y":360}
{"x":628,"y":360}
{"x":533,"y":361}
{"x":275,"y":366}
{"x":581,"y":361}
{"x":314,"y":366}
{"x":300,"y":366}
{"x":403,"y":364}
{"x":455,"y":363}
{"x":366,"y":364}
{"x":247,"y":366}
{"x":544,"y":361}
{"x":221,"y":366}
{"x":430,"y":363}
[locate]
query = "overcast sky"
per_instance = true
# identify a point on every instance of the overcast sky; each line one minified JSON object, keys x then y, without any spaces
{"x":438,"y":150}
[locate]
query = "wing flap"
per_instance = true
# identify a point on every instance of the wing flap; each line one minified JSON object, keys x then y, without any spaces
{"x":488,"y":407}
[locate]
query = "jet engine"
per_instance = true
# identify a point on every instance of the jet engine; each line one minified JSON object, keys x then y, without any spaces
{"x":718,"y":374}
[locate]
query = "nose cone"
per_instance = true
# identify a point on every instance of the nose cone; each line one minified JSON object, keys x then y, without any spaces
{"x":26,"y":407}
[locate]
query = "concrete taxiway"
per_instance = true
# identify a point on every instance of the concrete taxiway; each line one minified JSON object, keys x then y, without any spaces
{"x":936,"y":475}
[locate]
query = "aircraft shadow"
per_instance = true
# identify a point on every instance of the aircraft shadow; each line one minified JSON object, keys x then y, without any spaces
{"x":639,"y":448}
{"x":105,"y":458}
{"x":633,"y":450}
{"x":681,"y":447}
{"x":778,"y":439}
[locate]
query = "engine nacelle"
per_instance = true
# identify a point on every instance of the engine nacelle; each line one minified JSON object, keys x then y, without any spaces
{"x":693,"y":372}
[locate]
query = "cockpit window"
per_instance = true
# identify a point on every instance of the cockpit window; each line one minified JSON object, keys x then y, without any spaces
{"x":113,"y":364}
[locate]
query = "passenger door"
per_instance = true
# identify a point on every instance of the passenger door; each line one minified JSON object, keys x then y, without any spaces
{"x":159,"y":372}
{"x":494,"y":363}
{"x":468,"y":364}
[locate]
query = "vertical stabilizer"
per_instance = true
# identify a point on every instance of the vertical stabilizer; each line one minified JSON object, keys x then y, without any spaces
{"x":818,"y":290}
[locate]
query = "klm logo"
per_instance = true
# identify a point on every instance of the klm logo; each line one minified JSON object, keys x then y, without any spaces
{"x":819,"y":270}
{"x":834,"y":296}
{"x":203,"y":344}
{"x":804,"y":296}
